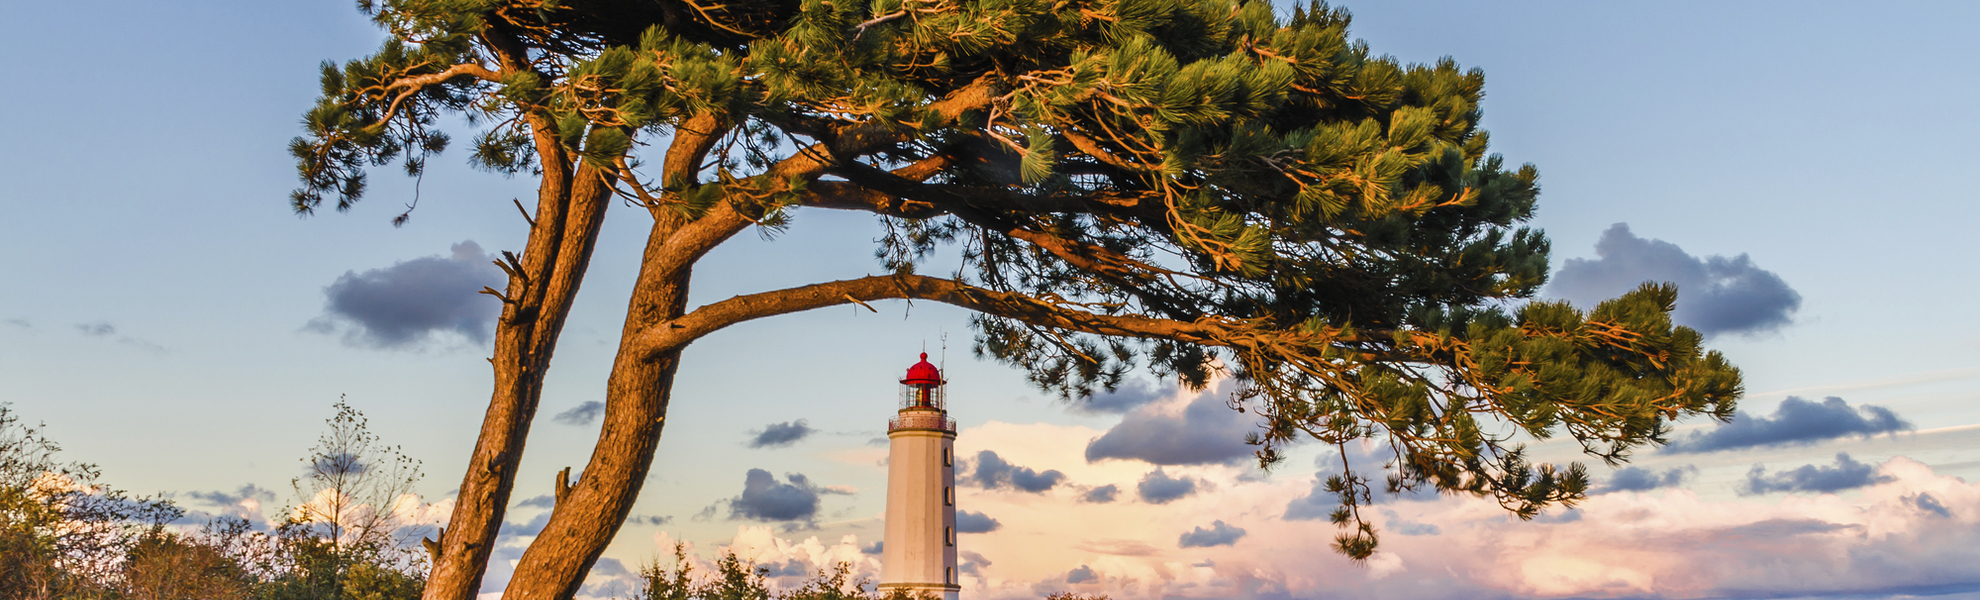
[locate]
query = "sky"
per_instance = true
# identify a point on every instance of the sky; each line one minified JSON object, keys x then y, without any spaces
{"x":1796,"y":167}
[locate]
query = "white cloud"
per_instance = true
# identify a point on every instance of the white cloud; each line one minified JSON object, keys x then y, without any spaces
{"x":1914,"y":529}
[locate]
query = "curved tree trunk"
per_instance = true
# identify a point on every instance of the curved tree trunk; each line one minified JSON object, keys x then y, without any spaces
{"x":589,"y":513}
{"x":543,"y":282}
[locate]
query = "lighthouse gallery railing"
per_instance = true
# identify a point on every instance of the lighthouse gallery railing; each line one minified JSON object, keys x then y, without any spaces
{"x":921,"y":421}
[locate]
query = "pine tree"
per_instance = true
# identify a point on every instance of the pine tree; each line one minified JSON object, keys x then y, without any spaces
{"x":1183,"y":186}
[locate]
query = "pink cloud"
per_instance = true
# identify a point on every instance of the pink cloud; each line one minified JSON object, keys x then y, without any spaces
{"x":1916,"y":530}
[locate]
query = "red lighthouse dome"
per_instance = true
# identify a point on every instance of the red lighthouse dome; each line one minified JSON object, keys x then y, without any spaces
{"x":923,"y":374}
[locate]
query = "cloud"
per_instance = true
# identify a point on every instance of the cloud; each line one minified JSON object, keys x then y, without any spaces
{"x":582,"y":414}
{"x":609,"y":578}
{"x":1916,"y":531}
{"x":1847,"y":474}
{"x":1082,"y":574}
{"x":1715,"y":294}
{"x":975,"y":522}
{"x":790,"y":568}
{"x":780,"y":435}
{"x":1205,"y":432}
{"x":1315,"y":505}
{"x":764,"y":499}
{"x":1219,"y":534}
{"x":1132,"y":394}
{"x":246,"y":503}
{"x":1158,"y":487}
{"x":1639,"y":479}
{"x":875,"y":548}
{"x":1797,"y":421}
{"x":20,"y":323}
{"x":797,"y":560}
{"x":972,"y":563}
{"x":543,"y":501}
{"x":1400,"y":526}
{"x":531,"y":527}
{"x":1101,"y":495}
{"x":1119,"y":547}
{"x":654,"y":520}
{"x":1925,"y":502}
{"x":104,"y":329}
{"x":414,"y":301}
{"x":992,"y":472}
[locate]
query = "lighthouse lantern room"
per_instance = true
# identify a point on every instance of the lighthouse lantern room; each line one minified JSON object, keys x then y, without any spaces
{"x":918,"y":555}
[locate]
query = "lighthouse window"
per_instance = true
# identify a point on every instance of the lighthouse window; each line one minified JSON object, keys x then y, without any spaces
{"x":949,"y":575}
{"x":948,"y":457}
{"x":949,"y":496}
{"x":950,"y":534}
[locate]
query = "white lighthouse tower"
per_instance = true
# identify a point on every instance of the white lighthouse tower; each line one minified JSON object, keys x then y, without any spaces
{"x":919,"y":553}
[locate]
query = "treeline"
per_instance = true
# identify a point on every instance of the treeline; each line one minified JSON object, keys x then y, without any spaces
{"x":734,"y":579}
{"x":65,"y":534}
{"x":352,"y":533}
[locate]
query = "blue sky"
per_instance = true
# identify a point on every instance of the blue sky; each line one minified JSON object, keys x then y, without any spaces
{"x":159,"y":294}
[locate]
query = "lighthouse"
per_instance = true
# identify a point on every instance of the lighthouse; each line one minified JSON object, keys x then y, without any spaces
{"x":919,"y":553}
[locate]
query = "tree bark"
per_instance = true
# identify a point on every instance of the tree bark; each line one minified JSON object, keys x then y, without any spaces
{"x":639,"y":387}
{"x":543,"y":283}
{"x":537,"y":301}
{"x":584,"y":522}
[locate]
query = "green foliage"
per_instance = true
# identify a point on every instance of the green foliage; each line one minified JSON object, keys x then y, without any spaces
{"x":169,"y":566}
{"x":63,"y":534}
{"x":351,"y":485}
{"x":734,"y":579}
{"x":1258,"y":195}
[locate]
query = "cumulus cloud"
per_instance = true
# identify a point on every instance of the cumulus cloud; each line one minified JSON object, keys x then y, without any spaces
{"x":1206,"y":431}
{"x":1925,"y":502}
{"x":1639,"y":479}
{"x":1715,"y":294}
{"x":246,"y":503}
{"x":1314,"y":505}
{"x":765,"y":499}
{"x":1101,"y":495}
{"x":582,"y":414}
{"x":1132,"y":394}
{"x":790,"y":563}
{"x":1797,"y":421}
{"x":1847,"y":474}
{"x":609,"y":578}
{"x":1219,"y":534}
{"x":1082,"y":574}
{"x":1398,"y":525}
{"x":992,"y":471}
{"x":780,"y":435}
{"x":414,"y":301}
{"x":1157,"y":487}
{"x":1318,"y":503}
{"x":531,"y":527}
{"x":973,"y":563}
{"x":1916,"y":531}
{"x":975,"y":522}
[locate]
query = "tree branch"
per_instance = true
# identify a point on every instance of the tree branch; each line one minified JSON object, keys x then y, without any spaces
{"x":673,"y":335}
{"x":695,"y":239}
